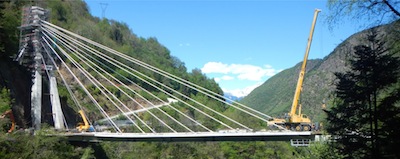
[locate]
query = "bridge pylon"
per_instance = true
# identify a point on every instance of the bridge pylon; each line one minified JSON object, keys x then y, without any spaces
{"x":33,"y":56}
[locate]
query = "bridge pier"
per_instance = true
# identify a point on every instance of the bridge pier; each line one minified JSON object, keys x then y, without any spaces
{"x":55,"y":103}
{"x":36,"y":101}
{"x":33,"y":56}
{"x":36,"y":94}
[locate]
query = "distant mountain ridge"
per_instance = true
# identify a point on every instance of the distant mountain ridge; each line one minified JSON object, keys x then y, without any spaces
{"x":232,"y":97}
{"x":275,"y":96}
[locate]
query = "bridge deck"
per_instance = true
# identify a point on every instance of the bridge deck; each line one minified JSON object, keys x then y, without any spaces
{"x":199,"y":136}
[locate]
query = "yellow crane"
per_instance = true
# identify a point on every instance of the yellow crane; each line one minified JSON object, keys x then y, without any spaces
{"x":85,"y":125}
{"x":299,"y":121}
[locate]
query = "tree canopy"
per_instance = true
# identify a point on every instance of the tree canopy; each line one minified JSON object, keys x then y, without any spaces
{"x":367,"y":103}
{"x":373,"y":12}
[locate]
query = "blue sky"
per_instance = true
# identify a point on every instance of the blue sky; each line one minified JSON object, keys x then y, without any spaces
{"x":238,"y":43}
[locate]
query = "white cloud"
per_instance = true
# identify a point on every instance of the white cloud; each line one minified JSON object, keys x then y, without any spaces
{"x":242,"y":92}
{"x":241,"y":71}
{"x":215,"y":67}
{"x":236,"y":74}
{"x":226,"y":78}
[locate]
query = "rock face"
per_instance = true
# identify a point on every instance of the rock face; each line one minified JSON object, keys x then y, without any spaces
{"x":275,"y":96}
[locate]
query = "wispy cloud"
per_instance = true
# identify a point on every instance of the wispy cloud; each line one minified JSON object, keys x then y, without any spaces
{"x":241,"y":71}
{"x":242,"y":92}
{"x":253,"y":75}
{"x":225,"y":78}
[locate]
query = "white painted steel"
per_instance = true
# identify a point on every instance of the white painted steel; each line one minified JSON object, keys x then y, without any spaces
{"x":240,"y":135}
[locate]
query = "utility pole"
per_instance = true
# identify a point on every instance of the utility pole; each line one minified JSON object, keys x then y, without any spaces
{"x":103,"y":9}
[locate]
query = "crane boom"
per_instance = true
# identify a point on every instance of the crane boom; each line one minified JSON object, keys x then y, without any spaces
{"x":296,"y":120}
{"x":85,"y":126}
{"x":299,"y":86}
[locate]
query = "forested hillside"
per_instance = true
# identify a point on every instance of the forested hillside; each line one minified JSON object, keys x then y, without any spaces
{"x":15,"y":83}
{"x":74,"y":16}
{"x":275,"y":96}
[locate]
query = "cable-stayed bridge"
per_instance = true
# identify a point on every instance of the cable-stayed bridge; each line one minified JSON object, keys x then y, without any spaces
{"x":125,"y":99}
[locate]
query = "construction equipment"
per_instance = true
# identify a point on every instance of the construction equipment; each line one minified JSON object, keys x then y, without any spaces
{"x":298,"y":121}
{"x":82,"y":127}
{"x":11,"y":116}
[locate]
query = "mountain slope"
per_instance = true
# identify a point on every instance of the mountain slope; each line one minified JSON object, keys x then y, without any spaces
{"x":275,"y":96}
{"x":75,"y":16}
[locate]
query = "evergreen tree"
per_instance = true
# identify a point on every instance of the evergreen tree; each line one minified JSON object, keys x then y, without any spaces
{"x":367,"y":103}
{"x":5,"y":100}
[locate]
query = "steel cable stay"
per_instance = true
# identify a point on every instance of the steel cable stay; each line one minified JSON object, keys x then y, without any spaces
{"x":131,"y":94}
{"x":103,"y":112}
{"x":150,"y":112}
{"x":83,"y":71}
{"x":141,"y":97}
{"x":189,"y":84}
{"x":153,"y":85}
{"x":143,"y":108}
{"x":170,"y":106}
{"x":116,"y":128}
{"x":48,"y":78}
{"x":63,"y":78}
{"x":138,"y":86}
{"x":175,"y":78}
{"x":167,"y":87}
{"x":137,"y":93}
{"x":129,"y":110}
{"x":74,"y":99}
{"x":168,"y":75}
{"x":96,"y":83}
{"x":116,"y":86}
{"x":64,"y":81}
{"x":160,"y":99}
{"x":159,"y":83}
{"x":74,"y":52}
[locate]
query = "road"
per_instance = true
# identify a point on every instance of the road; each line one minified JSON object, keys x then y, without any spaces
{"x":170,"y":101}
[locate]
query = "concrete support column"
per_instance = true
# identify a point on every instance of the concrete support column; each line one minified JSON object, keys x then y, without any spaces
{"x":55,"y":103}
{"x":36,"y":101}
{"x":36,"y":98}
{"x":30,"y":46}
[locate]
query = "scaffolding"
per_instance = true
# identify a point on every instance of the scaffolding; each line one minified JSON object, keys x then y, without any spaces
{"x":31,"y":55}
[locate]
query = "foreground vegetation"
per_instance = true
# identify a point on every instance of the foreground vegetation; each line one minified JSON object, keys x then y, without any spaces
{"x":74,"y":16}
{"x":366,"y":111}
{"x":363,"y":119}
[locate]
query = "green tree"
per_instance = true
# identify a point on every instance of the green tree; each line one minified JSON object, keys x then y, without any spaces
{"x":40,"y":145}
{"x":10,"y":18}
{"x":5,"y":100}
{"x":374,"y":12}
{"x":363,"y":94}
{"x":321,"y":150}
